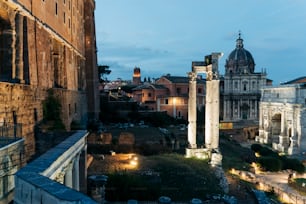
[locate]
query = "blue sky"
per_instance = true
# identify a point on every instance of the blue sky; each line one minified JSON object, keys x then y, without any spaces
{"x":165,"y":36}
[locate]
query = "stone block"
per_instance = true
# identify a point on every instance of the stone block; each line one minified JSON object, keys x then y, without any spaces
{"x":126,"y":138}
{"x":106,"y":138}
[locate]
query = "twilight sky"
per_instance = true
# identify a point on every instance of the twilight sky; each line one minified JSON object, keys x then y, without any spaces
{"x":165,"y":36}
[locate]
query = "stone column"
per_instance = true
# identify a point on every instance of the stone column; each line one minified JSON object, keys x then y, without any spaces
{"x":225,"y":110}
{"x":212,"y":114}
{"x":239,"y":109}
{"x":18,"y":72}
{"x":283,"y":123}
{"x":192,"y":111}
{"x":283,"y":137}
{"x":83,"y":170}
{"x":68,"y":176}
{"x":76,"y":173}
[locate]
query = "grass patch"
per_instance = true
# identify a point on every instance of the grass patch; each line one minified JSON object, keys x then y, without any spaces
{"x":173,"y":175}
{"x":235,"y":156}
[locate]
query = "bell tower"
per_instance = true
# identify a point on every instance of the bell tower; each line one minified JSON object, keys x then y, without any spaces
{"x":136,"y":76}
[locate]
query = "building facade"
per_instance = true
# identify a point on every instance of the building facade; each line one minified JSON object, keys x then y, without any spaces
{"x":282,"y":122}
{"x":240,"y":91}
{"x":45,"y":45}
{"x":169,"y":94}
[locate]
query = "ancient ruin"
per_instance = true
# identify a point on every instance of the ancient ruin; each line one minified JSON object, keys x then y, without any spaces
{"x":209,"y":67}
{"x":283,"y":117}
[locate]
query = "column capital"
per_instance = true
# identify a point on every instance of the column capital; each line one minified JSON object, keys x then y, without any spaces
{"x":192,"y":76}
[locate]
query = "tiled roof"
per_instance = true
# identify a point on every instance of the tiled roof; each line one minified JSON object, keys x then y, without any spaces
{"x":149,"y":86}
{"x":299,"y":80}
{"x":181,"y":79}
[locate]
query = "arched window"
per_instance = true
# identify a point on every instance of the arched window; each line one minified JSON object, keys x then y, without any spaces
{"x":244,"y":84}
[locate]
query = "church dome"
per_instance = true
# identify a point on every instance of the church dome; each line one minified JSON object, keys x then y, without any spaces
{"x":239,"y":61}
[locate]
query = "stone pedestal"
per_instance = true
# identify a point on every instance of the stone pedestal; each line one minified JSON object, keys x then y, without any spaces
{"x":216,"y":159}
{"x":200,"y":153}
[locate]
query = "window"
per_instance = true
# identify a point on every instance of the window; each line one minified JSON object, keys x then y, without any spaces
{"x":245,"y":85}
{"x":166,"y":101}
{"x":55,"y":8}
{"x":75,"y":108}
{"x":149,"y":94}
{"x":236,"y":85}
{"x":69,"y":109}
{"x":64,"y":17}
{"x":199,"y":90}
{"x":178,"y":90}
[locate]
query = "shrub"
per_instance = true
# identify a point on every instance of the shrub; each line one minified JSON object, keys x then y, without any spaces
{"x":123,"y":186}
{"x":263,"y":151}
{"x":51,"y":107}
{"x":256,"y":147}
{"x":270,"y":163}
{"x":293,"y":164}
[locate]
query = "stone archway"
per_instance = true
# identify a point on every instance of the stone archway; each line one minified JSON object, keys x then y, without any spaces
{"x":276,"y":126}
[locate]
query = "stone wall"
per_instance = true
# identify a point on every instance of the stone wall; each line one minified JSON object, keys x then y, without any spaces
{"x":43,"y":51}
{"x":11,"y":159}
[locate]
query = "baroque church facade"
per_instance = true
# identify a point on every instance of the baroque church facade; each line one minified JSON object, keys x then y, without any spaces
{"x":240,"y":86}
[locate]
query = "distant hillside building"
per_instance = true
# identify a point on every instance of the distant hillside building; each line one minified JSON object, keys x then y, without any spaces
{"x":240,"y":86}
{"x":282,"y":121}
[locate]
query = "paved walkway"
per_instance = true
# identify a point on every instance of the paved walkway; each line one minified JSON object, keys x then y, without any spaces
{"x":278,"y":182}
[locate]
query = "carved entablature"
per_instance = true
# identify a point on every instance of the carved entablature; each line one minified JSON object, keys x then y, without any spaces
{"x":60,"y":177}
{"x":7,"y":13}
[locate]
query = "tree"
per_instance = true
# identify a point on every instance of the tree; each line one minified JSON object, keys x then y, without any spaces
{"x":103,"y":70}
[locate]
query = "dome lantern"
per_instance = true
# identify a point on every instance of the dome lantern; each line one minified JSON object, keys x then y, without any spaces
{"x":240,"y":60}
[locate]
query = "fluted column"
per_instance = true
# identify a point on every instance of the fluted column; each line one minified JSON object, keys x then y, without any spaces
{"x":212,"y":115}
{"x":18,"y":72}
{"x":192,"y":111}
{"x":68,"y":176}
{"x":76,"y":173}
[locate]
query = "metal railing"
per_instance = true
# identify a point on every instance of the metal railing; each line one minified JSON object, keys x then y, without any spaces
{"x":10,"y":132}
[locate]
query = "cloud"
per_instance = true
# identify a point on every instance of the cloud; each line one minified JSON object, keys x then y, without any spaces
{"x":128,"y":53}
